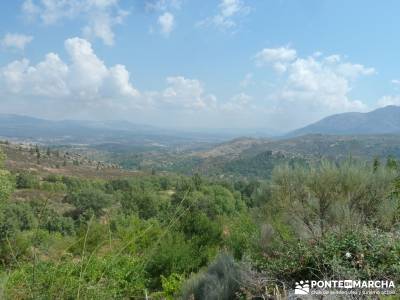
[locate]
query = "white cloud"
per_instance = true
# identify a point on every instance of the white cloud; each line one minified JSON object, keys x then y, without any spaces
{"x":184,"y":93}
{"x":395,"y":81}
{"x":389,"y":100}
{"x":354,"y":71}
{"x":119,"y":82}
{"x":279,"y":58}
{"x":166,"y":19}
{"x":311,"y":87}
{"x":162,"y":5}
{"x":85,"y":78}
{"x":247,"y":80}
{"x":100,"y":15}
{"x":239,"y":102}
{"x":281,"y":54}
{"x":16,"y":41}
{"x":84,"y":85}
{"x":166,"y":22}
{"x":229,"y":11}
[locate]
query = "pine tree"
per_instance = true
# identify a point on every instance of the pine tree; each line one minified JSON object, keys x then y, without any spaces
{"x":37,"y":150}
{"x":376,"y":164}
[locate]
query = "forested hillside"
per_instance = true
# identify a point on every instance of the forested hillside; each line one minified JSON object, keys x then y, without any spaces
{"x":121,"y":235}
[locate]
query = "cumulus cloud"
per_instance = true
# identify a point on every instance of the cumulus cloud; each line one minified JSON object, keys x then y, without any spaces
{"x":239,"y":103}
{"x":184,"y":93}
{"x":162,"y":5}
{"x":228,"y":13}
{"x":279,"y":58}
{"x":84,"y":78}
{"x":165,"y":19}
{"x":166,"y":22}
{"x":83,"y":85}
{"x":311,"y":87}
{"x":389,"y":100}
{"x":16,"y":41}
{"x":100,"y":15}
{"x":281,"y":54}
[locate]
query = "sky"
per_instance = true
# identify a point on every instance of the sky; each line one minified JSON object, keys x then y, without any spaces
{"x":273,"y":64}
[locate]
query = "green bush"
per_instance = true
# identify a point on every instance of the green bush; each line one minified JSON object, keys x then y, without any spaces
{"x":145,"y":204}
{"x":53,"y":186}
{"x":89,"y":201}
{"x":52,"y":222}
{"x":6,"y":186}
{"x":116,"y":277}
{"x":26,"y":180}
{"x":173,"y":254}
{"x":328,"y":196}
{"x":364,"y":254}
{"x":53,"y":178}
{"x":171,"y":286}
{"x":16,"y":248}
{"x":240,"y":235}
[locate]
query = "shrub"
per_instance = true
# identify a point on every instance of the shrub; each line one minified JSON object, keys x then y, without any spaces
{"x":89,"y":201}
{"x":173,"y":254}
{"x":314,"y":200}
{"x":110,"y":277}
{"x":6,"y":187}
{"x":53,"y":178}
{"x":53,"y":186}
{"x":145,"y":204}
{"x":364,"y":254}
{"x":221,"y":281}
{"x":16,"y":217}
{"x":26,"y":180}
{"x":171,"y":285}
{"x":52,"y":222}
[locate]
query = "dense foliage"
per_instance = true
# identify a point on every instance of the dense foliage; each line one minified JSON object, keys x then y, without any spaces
{"x":170,"y":236}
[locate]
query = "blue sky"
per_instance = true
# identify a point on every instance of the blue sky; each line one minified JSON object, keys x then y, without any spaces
{"x":275,"y":64}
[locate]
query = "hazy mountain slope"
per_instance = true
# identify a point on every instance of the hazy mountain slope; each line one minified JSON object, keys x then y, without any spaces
{"x":380,"y":121}
{"x":118,"y":133}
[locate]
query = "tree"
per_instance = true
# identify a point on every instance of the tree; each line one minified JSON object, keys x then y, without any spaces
{"x":376,"y":164}
{"x":37,"y":150}
{"x":6,"y":184}
{"x":391,"y":163}
{"x":146,"y":204}
{"x":6,"y":188}
{"x":89,"y":201}
{"x":25,"y":180}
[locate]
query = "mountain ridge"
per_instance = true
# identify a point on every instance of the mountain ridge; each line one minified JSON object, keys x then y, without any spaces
{"x":384,"y":120}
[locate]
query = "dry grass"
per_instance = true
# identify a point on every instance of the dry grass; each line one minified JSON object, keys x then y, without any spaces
{"x":19,"y":158}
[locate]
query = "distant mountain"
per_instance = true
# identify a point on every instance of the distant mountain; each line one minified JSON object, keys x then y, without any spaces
{"x":384,"y":120}
{"x":112,"y":133}
{"x":25,"y":128}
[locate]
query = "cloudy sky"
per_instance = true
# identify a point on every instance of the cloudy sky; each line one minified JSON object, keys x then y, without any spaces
{"x":275,"y":64}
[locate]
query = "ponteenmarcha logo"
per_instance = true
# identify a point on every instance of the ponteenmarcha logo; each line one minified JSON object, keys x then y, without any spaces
{"x":302,"y":287}
{"x":305,"y":287}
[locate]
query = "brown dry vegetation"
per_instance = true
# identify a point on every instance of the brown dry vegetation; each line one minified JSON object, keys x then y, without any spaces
{"x":23,"y":158}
